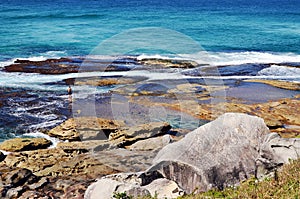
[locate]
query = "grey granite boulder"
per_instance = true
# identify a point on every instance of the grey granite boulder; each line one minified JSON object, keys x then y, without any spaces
{"x":134,"y":184}
{"x":276,"y":151}
{"x":216,"y":155}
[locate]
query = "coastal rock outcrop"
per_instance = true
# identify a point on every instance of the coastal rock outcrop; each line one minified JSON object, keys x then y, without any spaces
{"x":108,"y":133}
{"x":25,"y":144}
{"x":222,"y":153}
{"x":85,"y":128}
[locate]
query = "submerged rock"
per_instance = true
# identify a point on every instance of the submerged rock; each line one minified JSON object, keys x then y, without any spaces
{"x":25,"y":144}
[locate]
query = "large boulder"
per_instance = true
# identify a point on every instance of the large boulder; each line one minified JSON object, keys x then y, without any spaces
{"x":219,"y":154}
{"x":25,"y":144}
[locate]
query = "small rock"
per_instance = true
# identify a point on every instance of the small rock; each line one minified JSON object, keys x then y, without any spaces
{"x":164,"y":188}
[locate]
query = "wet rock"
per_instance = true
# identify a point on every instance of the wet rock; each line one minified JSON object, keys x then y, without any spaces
{"x":216,"y":155}
{"x":108,"y":81}
{"x":278,"y":84}
{"x":49,"y":66}
{"x":168,"y":63}
{"x":25,"y":144}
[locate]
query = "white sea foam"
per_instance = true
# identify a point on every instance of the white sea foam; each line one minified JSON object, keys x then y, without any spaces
{"x":276,"y":70}
{"x":54,"y":141}
{"x":5,"y":152}
{"x":40,"y":57}
{"x":238,"y":58}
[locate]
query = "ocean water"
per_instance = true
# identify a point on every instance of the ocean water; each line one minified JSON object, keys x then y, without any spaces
{"x":240,"y":33}
{"x":36,"y":28}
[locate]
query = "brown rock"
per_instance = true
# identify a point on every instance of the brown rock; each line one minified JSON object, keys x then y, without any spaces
{"x":169,"y":63}
{"x":25,"y":144}
{"x":50,"y":66}
{"x":278,"y":84}
{"x":84,"y":146}
{"x":85,"y":128}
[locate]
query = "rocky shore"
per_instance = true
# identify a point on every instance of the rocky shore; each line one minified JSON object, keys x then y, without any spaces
{"x":141,"y":134}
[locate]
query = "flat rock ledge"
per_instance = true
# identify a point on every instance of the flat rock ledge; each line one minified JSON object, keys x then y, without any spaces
{"x":24,"y":144}
{"x":222,"y":153}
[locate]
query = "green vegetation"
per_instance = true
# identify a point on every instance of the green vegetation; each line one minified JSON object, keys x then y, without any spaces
{"x":122,"y":195}
{"x":285,"y":185}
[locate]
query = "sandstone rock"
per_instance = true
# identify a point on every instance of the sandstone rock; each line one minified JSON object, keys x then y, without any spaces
{"x":85,"y":128}
{"x":169,"y":63}
{"x":219,"y":154}
{"x":276,"y":151}
{"x":84,"y":146}
{"x":130,"y":135}
{"x":25,"y":144}
{"x":279,"y":84}
{"x":108,"y":81}
{"x":151,"y":143}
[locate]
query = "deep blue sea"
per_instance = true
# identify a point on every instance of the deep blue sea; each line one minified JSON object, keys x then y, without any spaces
{"x":233,"y":32}
{"x":74,"y":27}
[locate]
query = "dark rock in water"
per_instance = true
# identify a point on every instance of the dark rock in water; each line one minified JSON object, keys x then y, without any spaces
{"x":49,"y":66}
{"x":230,"y":70}
{"x":70,"y":65}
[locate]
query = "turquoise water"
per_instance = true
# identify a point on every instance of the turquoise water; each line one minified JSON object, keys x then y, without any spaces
{"x":73,"y":27}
